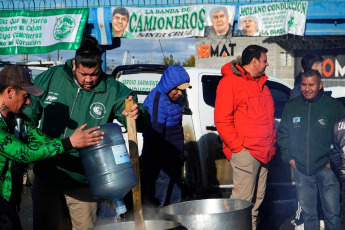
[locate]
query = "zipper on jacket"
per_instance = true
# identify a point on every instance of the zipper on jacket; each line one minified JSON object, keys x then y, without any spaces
{"x":70,"y":115}
{"x":308,"y":132}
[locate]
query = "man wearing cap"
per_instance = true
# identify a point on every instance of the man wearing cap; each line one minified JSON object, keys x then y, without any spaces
{"x":21,"y":141}
{"x":244,"y":117}
{"x":163,"y":147}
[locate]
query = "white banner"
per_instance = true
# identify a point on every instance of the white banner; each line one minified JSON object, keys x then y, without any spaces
{"x":173,"y":22}
{"x":273,"y":19}
{"x":41,"y":31}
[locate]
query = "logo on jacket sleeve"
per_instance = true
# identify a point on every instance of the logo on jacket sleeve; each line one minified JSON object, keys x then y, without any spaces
{"x":51,"y":98}
{"x":296,"y":121}
{"x":97,"y":110}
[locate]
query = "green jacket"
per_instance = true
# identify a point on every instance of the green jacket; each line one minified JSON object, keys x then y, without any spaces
{"x":30,"y":147}
{"x":65,"y":106}
{"x":306,"y":129}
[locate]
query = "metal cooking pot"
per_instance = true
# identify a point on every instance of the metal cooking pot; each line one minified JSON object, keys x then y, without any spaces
{"x":211,"y":214}
{"x":109,"y":224}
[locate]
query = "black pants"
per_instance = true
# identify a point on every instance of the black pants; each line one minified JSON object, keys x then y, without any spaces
{"x":342,"y":206}
{"x":49,"y":207}
{"x":9,"y":219}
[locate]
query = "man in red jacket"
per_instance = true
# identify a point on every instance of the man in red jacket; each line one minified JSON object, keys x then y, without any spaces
{"x":244,"y":117}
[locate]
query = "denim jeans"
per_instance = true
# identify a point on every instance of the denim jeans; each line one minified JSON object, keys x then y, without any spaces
{"x":307,"y":188}
{"x":168,"y":186}
{"x":163,"y":185}
{"x":342,"y":211}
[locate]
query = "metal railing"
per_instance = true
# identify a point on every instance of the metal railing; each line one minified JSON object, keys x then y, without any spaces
{"x":62,"y":4}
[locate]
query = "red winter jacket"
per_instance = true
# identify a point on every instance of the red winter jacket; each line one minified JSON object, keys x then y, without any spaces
{"x":244,"y":113}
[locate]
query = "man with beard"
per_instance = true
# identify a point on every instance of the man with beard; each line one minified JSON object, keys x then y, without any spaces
{"x":244,"y":117}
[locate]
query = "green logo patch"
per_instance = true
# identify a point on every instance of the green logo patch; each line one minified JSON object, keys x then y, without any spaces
{"x":63,"y":27}
{"x":97,"y":110}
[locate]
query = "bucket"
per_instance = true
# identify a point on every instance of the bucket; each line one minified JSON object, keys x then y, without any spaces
{"x":211,"y":214}
{"x":108,"y":224}
{"x":108,"y":168}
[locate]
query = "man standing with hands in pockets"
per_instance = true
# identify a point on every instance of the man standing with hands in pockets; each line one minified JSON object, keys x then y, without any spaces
{"x":244,"y":117}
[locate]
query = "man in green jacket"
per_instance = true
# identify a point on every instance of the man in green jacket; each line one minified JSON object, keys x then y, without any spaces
{"x":21,"y":141}
{"x":304,"y":136}
{"x":75,"y":93}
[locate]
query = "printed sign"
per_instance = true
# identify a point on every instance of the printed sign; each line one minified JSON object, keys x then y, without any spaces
{"x":273,"y":19}
{"x":41,"y":31}
{"x":161,"y":23}
{"x":144,"y":82}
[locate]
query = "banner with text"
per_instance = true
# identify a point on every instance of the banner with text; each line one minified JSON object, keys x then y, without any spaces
{"x":169,"y":22}
{"x":24,"y":32}
{"x":272,"y":19}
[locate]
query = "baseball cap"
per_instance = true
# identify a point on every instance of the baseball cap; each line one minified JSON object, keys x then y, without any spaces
{"x":184,"y":86}
{"x":15,"y":75}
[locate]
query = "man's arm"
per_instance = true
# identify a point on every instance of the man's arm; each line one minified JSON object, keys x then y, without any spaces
{"x":139,"y":113}
{"x":224,"y":115}
{"x":34,"y":109}
{"x":283,"y":139}
{"x":335,"y":155}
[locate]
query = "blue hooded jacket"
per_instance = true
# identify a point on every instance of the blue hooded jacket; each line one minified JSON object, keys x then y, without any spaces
{"x":163,"y":139}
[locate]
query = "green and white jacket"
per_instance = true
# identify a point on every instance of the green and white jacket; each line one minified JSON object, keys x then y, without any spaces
{"x":64,"y":106}
{"x":32,"y":145}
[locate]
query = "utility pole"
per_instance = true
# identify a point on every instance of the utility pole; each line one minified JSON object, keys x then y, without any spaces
{"x":124,"y":60}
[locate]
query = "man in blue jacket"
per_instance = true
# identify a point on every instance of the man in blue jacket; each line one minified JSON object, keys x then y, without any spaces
{"x":162,"y":155}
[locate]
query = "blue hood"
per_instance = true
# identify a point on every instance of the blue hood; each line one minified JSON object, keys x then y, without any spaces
{"x":173,"y":76}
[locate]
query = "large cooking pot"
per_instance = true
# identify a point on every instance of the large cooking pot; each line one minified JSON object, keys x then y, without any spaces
{"x":211,"y":214}
{"x":110,"y":224}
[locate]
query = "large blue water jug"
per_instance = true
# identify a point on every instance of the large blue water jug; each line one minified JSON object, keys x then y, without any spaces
{"x":108,"y":168}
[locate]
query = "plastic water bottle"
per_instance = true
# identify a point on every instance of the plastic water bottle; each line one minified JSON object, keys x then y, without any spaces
{"x":108,"y":168}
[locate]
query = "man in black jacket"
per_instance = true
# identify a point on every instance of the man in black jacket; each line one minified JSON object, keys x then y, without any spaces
{"x":337,"y":159}
{"x":304,"y":136}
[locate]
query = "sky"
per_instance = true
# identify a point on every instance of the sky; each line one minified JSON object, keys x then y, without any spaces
{"x":143,"y":50}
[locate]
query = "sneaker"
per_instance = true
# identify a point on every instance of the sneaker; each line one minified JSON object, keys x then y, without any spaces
{"x":322,"y":225}
{"x":293,"y":223}
{"x":300,"y":227}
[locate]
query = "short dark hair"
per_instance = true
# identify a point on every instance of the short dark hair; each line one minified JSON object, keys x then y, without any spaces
{"x":251,"y":52}
{"x":89,"y":54}
{"x":311,"y":73}
{"x":309,"y":60}
{"x":121,"y":10}
{"x":3,"y":87}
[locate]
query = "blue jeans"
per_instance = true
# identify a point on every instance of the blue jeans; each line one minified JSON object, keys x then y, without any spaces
{"x":168,"y":186}
{"x":307,"y":188}
{"x":342,"y":209}
{"x":163,"y":184}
